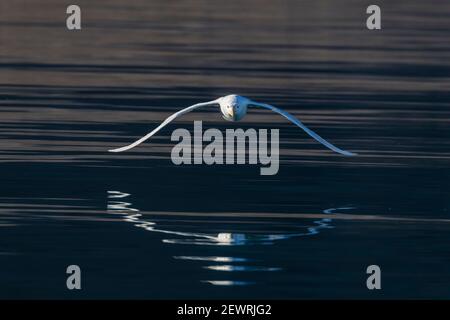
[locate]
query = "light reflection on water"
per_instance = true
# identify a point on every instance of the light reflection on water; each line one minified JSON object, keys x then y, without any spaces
{"x":226,"y":249}
{"x":214,"y":259}
{"x":229,"y":238}
{"x":131,"y":214}
{"x":227,"y":282}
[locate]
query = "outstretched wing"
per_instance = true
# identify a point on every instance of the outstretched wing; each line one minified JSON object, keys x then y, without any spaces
{"x":293,"y":119}
{"x":165,"y":122}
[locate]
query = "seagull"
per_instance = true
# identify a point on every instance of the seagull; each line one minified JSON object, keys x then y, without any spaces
{"x":234,"y":108}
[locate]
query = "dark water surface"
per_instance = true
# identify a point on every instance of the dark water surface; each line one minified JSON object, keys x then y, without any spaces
{"x":141,"y":227}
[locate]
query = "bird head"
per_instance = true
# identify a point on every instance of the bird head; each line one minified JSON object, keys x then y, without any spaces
{"x":233,"y":107}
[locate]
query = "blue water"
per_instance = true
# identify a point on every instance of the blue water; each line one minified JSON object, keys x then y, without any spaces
{"x":140,"y":227}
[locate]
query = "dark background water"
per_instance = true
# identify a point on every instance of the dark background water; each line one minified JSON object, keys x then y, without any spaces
{"x":141,"y":227}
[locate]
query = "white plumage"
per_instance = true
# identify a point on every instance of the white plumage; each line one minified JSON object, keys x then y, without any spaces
{"x":234,"y":108}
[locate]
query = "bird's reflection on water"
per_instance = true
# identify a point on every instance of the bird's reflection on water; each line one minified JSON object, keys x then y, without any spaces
{"x":119,"y":204}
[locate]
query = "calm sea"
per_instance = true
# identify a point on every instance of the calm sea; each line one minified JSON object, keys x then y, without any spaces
{"x":140,"y":227}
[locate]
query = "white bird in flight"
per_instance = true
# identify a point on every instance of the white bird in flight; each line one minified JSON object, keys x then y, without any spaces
{"x":234,"y":108}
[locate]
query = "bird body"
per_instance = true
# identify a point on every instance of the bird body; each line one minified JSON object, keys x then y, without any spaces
{"x":234,"y":108}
